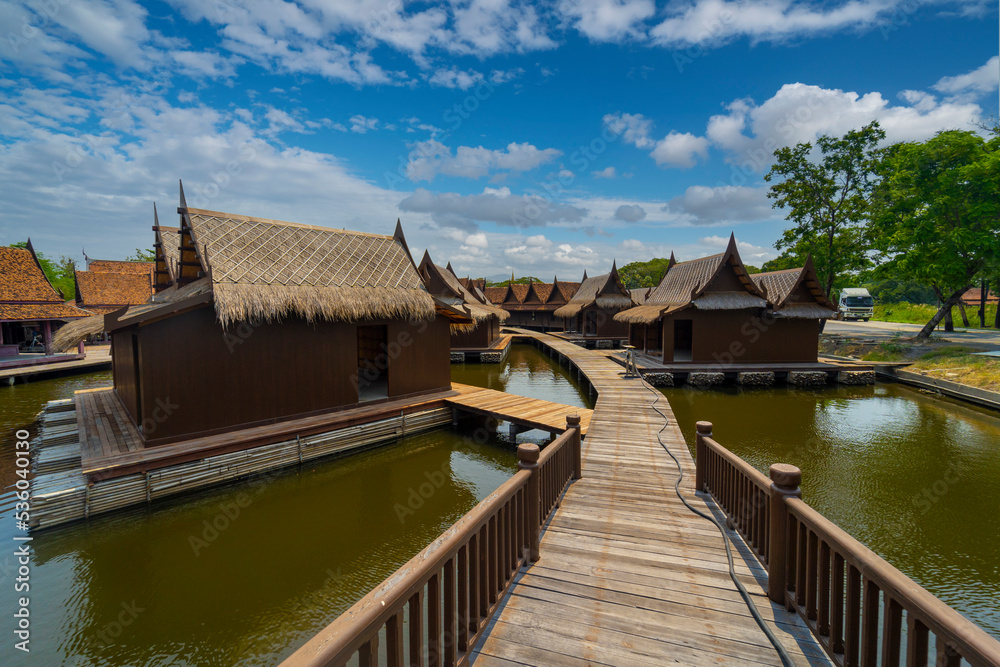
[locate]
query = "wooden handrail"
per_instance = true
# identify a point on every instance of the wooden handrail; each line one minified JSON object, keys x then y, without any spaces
{"x":474,"y":562}
{"x":852,"y":599}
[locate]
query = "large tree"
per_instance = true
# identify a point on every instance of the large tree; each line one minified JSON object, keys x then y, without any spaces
{"x":936,"y":214}
{"x":826,"y":190}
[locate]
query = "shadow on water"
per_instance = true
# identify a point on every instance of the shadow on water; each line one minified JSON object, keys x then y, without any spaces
{"x":914,"y":477}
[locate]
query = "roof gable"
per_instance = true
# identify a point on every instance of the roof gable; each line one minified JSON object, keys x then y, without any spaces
{"x":22,"y":278}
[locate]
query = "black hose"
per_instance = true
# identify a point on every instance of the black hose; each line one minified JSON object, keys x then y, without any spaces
{"x":782,"y":653}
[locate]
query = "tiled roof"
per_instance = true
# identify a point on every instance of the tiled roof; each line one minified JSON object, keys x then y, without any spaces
{"x":40,"y":311}
{"x":112,"y":289}
{"x":495,"y":294}
{"x":115,"y":266}
{"x":21,"y":279}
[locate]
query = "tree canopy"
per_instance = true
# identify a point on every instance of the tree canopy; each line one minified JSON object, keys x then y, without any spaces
{"x":60,"y":272}
{"x":936,"y":214}
{"x":827,"y":200}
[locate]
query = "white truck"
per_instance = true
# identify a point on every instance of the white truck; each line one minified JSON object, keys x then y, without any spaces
{"x":856,"y":304}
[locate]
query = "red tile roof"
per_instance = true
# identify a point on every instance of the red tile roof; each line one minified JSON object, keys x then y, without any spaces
{"x":25,"y":292}
{"x":99,"y":290}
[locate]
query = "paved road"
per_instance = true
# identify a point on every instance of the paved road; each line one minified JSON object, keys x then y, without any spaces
{"x":885,"y":330}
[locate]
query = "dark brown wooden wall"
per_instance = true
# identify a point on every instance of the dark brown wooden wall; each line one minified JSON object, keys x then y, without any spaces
{"x":482,"y":336}
{"x":730,"y":336}
{"x":220,"y":380}
{"x":607,"y":327}
{"x":123,"y":371}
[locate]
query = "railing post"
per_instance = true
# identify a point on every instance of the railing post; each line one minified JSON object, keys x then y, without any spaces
{"x":704,"y":430}
{"x":573,"y":422}
{"x":785,"y":480}
{"x":527,"y":459}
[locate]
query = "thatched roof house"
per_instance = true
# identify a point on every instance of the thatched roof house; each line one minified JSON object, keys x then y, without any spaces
{"x":796,"y":293}
{"x":712,"y":310}
{"x":264,"y":320}
{"x":108,"y":285}
{"x":532,"y":305}
{"x":28,"y":301}
{"x":592,"y":309}
{"x":481,"y":325}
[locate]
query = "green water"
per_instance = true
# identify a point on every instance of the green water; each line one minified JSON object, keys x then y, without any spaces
{"x":915,"y":478}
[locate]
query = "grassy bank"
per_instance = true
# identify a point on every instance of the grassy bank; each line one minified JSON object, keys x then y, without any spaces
{"x":955,"y":363}
{"x":913,"y":313}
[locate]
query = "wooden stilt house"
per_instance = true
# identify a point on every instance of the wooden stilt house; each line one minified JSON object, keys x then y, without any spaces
{"x":30,"y":306}
{"x":483,"y":328}
{"x":710,"y":310}
{"x":591,"y":311}
{"x":256,"y":321}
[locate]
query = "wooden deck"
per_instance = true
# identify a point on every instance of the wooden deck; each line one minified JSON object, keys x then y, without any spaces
{"x":499,"y":345}
{"x":529,"y":412}
{"x":98,"y":358}
{"x":628,"y":575}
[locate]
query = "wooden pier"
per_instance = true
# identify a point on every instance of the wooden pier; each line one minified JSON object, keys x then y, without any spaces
{"x":531,"y":413}
{"x":627,"y":574}
{"x":98,"y":358}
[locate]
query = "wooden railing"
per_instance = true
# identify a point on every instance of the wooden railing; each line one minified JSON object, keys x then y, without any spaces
{"x":433,"y":609}
{"x":862,"y":610}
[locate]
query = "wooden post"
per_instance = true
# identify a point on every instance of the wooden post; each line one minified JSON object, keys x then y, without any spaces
{"x":527,"y":459}
{"x":785,"y":480}
{"x":80,"y":349}
{"x":573,"y":422}
{"x":704,"y":430}
{"x":47,"y":336}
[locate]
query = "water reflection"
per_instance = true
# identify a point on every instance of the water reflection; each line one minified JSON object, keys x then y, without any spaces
{"x":916,"y":478}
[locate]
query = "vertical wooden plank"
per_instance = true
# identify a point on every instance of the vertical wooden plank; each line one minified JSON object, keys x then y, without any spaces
{"x":812,"y":578}
{"x":434,"y":620}
{"x":869,"y":623}
{"x":416,"y":638}
{"x":916,"y":642}
{"x":450,"y":643}
{"x":474,"y":547}
{"x":892,"y":625}
{"x":394,"y":646}
{"x":801,"y":569}
{"x":946,"y":655}
{"x":837,"y":605}
{"x":492,"y":584}
{"x":463,"y":599}
{"x":823,"y":599}
{"x":484,"y":571}
{"x":368,"y":653}
{"x":852,"y":636}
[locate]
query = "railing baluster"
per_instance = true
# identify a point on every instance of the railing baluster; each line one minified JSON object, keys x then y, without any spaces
{"x":801,"y":571}
{"x":823,"y":603}
{"x":417,"y":629}
{"x":394,"y":640}
{"x":474,"y":614}
{"x":492,"y":586}
{"x":852,"y":640}
{"x":434,"y":620}
{"x":869,"y":623}
{"x":837,"y":605}
{"x":450,"y":645}
{"x":368,"y":653}
{"x":463,"y":599}
{"x":484,"y":571}
{"x":946,"y":655}
{"x":916,"y":642}
{"x":812,"y":574}
{"x":892,"y":625}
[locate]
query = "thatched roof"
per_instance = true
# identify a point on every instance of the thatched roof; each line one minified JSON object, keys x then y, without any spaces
{"x":449,"y":291}
{"x":25,"y":292}
{"x":605,"y":291}
{"x":563,"y":291}
{"x":796,"y":293}
{"x":639,"y":294}
{"x":103,"y":292}
{"x":266,"y":270}
{"x":695,"y":284}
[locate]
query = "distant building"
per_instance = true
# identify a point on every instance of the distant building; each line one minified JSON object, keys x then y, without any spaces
{"x":256,"y":321}
{"x":710,"y":310}
{"x":973,"y":297}
{"x":109,"y":285}
{"x":483,"y":330}
{"x":591,"y":312}
{"x":30,"y":306}
{"x":533,"y":305}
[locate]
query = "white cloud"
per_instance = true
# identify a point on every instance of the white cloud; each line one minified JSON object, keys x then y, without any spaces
{"x":497,"y":206}
{"x":749,"y":253}
{"x":630,"y":213}
{"x":609,"y":20}
{"x":634,"y":129}
{"x":205,"y":64}
{"x":452,"y":77}
{"x":607,"y":172}
{"x":429,"y":158}
{"x":979,"y":81}
{"x":680,"y":150}
{"x":716,"y":22}
{"x":361,"y":124}
{"x":723,"y":205}
{"x":477,"y":240}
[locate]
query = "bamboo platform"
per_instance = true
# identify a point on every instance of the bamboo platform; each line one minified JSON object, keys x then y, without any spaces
{"x":628,"y":575}
{"x":527,"y":412}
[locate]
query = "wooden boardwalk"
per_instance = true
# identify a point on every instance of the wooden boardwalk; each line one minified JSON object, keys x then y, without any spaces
{"x":628,"y":575}
{"x":98,"y":358}
{"x":529,"y":412}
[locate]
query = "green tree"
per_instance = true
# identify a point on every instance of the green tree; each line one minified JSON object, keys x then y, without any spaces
{"x":827,"y":200}
{"x":142,"y":255}
{"x":936,"y":214}
{"x":60,"y":272}
{"x":643,"y":274}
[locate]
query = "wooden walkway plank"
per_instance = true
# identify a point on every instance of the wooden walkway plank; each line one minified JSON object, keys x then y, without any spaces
{"x":628,"y":574}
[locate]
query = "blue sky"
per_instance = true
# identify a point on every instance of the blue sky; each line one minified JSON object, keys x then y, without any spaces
{"x":540,"y":138}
